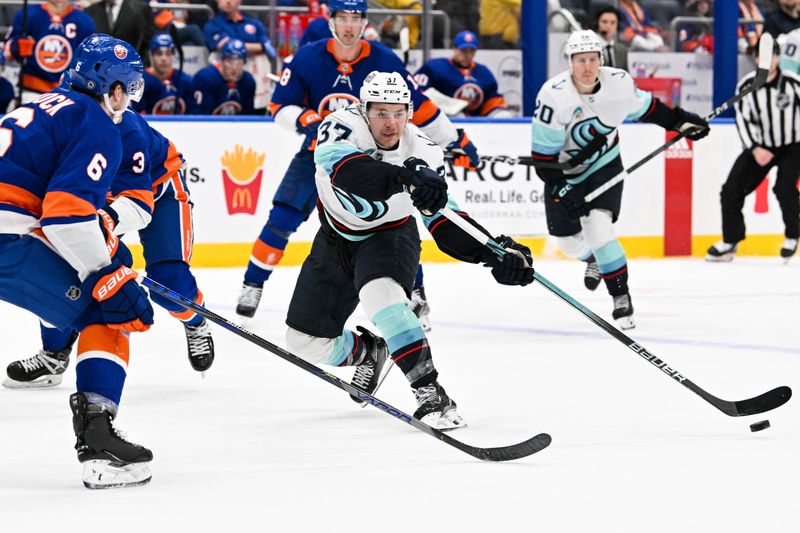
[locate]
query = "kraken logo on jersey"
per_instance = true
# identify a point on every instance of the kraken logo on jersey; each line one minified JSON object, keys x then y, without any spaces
{"x":335,"y":102}
{"x":582,"y":134}
{"x":472,"y":93}
{"x":363,"y":209}
{"x":53,"y":53}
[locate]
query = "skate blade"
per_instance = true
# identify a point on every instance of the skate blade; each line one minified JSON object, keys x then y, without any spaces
{"x":41,"y":383}
{"x":446,"y":421}
{"x":625,"y":322}
{"x":719,"y":259}
{"x":104,"y":475}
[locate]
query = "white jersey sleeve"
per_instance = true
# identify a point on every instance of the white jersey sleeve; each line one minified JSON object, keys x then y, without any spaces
{"x":790,"y":51}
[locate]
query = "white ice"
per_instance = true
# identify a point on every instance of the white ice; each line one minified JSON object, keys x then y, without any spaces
{"x":260,"y":445}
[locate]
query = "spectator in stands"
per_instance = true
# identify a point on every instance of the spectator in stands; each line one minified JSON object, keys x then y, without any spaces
{"x":230,"y":23}
{"x":167,"y":91}
{"x":129,"y":20}
{"x":461,"y":78}
{"x":499,"y":24}
{"x":54,"y":29}
{"x":413,"y":22}
{"x":615,"y":53}
{"x":696,"y":36}
{"x":784,"y":19}
{"x":188,"y":34}
{"x":749,"y":33}
{"x":225,"y":88}
{"x":637,"y":29}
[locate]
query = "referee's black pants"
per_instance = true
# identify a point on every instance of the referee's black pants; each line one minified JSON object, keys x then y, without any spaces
{"x":745,"y":177}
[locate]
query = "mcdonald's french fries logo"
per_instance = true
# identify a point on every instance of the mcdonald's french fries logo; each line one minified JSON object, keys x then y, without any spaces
{"x":242,"y":172}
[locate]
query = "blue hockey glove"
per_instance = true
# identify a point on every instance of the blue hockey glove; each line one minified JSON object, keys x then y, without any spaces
{"x":462,"y":145}
{"x":307,"y":124}
{"x":565,"y":194}
{"x":123,"y":303}
{"x":515,"y":267}
{"x":428,"y":188}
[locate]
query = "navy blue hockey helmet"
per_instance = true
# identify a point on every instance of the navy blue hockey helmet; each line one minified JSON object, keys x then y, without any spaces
{"x":161,"y":40}
{"x":101,"y":61}
{"x":353,"y":6}
{"x":233,"y":48}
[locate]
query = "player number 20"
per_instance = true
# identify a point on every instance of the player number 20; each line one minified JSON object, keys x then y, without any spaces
{"x":543,"y":112}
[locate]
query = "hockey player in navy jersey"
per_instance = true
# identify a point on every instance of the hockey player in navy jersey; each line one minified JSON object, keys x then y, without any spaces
{"x":6,"y":89}
{"x":225,"y":88}
{"x":53,"y":31}
{"x":167,"y":91}
{"x":461,"y":77}
{"x":325,"y":76}
{"x":54,"y":259}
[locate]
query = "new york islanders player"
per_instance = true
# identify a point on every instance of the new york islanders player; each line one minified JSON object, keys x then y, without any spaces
{"x":573,"y":108}
{"x":790,"y":51}
{"x":461,"y":77}
{"x":325,"y":76}
{"x":368,"y":158}
{"x":54,"y":260}
{"x":167,"y":91}
{"x":151,"y":168}
{"x":53,"y":31}
{"x":225,"y":88}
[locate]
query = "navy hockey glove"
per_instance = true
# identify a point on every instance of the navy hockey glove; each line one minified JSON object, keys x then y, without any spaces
{"x":428,"y":188}
{"x":515,"y":267}
{"x":565,"y":194}
{"x":462,"y":145}
{"x":123,"y":303}
{"x":307,"y":124}
{"x":693,"y":126}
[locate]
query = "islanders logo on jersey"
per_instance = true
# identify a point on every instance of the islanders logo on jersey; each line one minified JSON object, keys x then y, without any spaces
{"x":166,"y":106}
{"x":335,"y":102}
{"x":241,"y":176}
{"x":472,"y":93}
{"x":53,"y":53}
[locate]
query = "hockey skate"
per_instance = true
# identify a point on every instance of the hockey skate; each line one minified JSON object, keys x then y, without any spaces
{"x":45,"y":369}
{"x":591,"y":276}
{"x":420,"y":307}
{"x":369,"y":371}
{"x":109,"y":460}
{"x":721,"y":252}
{"x":623,"y":311}
{"x":200,"y":345}
{"x":788,"y":249}
{"x":436,"y":409}
{"x":248,"y":300}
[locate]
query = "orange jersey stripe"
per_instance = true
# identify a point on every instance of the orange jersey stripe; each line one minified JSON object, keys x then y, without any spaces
{"x":188,"y":314}
{"x":37,"y":84}
{"x":173,"y":163}
{"x":273,"y":108}
{"x":145,"y":197}
{"x":101,"y":338}
{"x":11,"y":194}
{"x":424,"y":113}
{"x":187,"y":230}
{"x":491,"y":104}
{"x":65,"y":204}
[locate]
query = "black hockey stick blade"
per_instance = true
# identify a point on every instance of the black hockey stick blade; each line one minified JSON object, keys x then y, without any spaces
{"x":762,"y":403}
{"x":503,"y":453}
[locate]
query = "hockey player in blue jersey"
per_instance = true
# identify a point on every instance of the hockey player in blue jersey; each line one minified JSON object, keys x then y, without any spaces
{"x":6,"y":89}
{"x":225,"y":88}
{"x":54,"y":29}
{"x":167,"y":91}
{"x":323,"y":77}
{"x":461,"y":77}
{"x":54,"y":259}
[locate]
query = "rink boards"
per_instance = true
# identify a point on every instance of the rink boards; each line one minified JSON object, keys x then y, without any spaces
{"x":670,"y":205}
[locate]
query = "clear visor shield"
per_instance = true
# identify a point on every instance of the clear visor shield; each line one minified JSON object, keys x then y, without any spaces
{"x":135,"y":89}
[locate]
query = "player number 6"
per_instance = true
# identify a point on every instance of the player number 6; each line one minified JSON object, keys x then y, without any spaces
{"x":96,"y":166}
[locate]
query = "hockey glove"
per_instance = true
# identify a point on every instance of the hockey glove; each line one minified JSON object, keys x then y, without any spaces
{"x":22,"y":47}
{"x":468,"y":157}
{"x":515,"y":267}
{"x":108,"y":220}
{"x":123,"y":303}
{"x":307,"y":124}
{"x":428,"y":189}
{"x":565,"y":194}
{"x":691,"y":125}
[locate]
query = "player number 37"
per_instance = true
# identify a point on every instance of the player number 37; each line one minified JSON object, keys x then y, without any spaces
{"x":22,"y":118}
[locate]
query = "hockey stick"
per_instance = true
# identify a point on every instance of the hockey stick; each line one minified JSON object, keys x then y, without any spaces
{"x":173,"y":32}
{"x":764,"y":62}
{"x":503,"y":453}
{"x":405,"y":44}
{"x":759,"y":404}
{"x":594,"y":145}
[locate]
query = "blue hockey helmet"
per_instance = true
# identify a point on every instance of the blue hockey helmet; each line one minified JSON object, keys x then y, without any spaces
{"x":233,"y":48}
{"x":101,"y":61}
{"x":353,"y":6}
{"x":161,"y":40}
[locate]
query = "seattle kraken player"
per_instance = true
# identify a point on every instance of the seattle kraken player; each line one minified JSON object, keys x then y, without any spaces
{"x":373,"y":168}
{"x":325,"y":76}
{"x":167,"y":91}
{"x":790,"y":51}
{"x":54,"y":260}
{"x":225,"y":88}
{"x":571,"y":110}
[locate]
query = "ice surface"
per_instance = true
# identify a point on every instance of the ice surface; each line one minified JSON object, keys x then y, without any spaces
{"x":260,"y":445}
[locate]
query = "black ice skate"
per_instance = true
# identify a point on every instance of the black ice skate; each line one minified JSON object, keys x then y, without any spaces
{"x":788,"y":249}
{"x":109,"y":460}
{"x":249,"y":299}
{"x":420,"y":307}
{"x":721,"y":252}
{"x":201,"y":346}
{"x":623,"y":312}
{"x":45,"y":369}
{"x":369,"y":371}
{"x":591,"y":277}
{"x":436,"y":409}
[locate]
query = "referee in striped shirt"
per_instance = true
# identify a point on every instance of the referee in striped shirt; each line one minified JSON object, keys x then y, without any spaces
{"x":768,"y":121}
